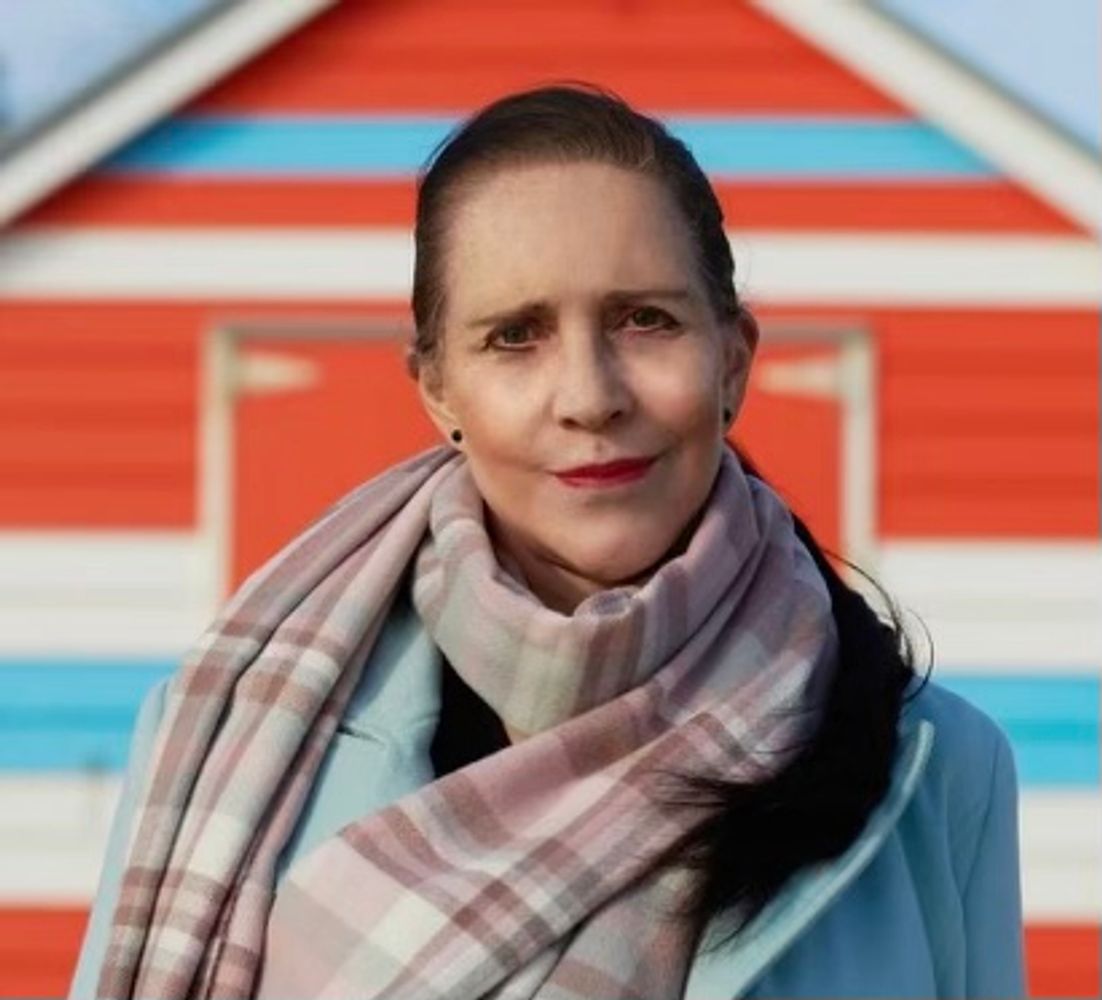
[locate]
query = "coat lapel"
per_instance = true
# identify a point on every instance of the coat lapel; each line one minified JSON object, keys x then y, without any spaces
{"x":808,"y":893}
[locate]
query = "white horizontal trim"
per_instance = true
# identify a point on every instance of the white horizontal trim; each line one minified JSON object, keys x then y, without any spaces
{"x":1002,"y":606}
{"x":53,"y":834}
{"x":940,"y":90}
{"x":999,"y":607}
{"x":125,"y":630}
{"x":200,"y":263}
{"x":128,"y":594}
{"x":919,"y":270}
{"x":214,"y":48}
{"x":54,"y":829}
{"x":1061,"y":850}
{"x":353,"y":265}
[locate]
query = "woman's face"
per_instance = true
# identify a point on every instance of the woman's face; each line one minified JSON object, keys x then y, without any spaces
{"x":577,"y":332}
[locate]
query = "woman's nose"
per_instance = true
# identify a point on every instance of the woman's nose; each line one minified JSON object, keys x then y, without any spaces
{"x":590,"y":390}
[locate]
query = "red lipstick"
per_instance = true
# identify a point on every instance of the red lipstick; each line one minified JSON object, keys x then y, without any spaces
{"x":625,"y":470}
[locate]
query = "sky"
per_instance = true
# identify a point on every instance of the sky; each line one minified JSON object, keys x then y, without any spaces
{"x":49,"y":48}
{"x":1045,"y":51}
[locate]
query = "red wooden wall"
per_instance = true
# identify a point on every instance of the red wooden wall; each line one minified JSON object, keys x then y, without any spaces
{"x":989,"y":419}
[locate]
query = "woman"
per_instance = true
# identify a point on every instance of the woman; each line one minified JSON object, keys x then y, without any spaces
{"x":572,"y":707}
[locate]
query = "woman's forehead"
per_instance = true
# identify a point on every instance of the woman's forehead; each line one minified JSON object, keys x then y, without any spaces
{"x":564,"y":229}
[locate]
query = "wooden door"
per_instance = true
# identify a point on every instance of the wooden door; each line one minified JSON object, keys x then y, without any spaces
{"x":790,"y":428}
{"x":315,"y":415}
{"x":312,"y":418}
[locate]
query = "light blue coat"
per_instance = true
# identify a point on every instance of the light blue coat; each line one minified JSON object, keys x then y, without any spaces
{"x":925,"y":903}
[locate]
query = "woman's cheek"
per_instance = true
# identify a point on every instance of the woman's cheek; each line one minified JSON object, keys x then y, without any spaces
{"x":690,"y":407}
{"x":509,"y":426}
{"x":685,"y":385}
{"x":489,"y":408}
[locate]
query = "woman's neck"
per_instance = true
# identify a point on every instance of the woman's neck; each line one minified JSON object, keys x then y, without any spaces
{"x":557,"y":586}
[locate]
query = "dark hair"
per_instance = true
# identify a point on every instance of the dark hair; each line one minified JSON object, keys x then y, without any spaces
{"x":562,"y":124}
{"x":755,"y":835}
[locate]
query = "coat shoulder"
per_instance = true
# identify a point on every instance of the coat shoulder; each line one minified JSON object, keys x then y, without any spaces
{"x":970,"y":781}
{"x":967,"y":742}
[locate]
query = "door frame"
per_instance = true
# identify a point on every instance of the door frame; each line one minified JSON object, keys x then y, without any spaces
{"x":224,"y":375}
{"x":853,"y":383}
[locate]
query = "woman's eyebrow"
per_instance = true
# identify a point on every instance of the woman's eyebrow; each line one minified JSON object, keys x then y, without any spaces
{"x":543,"y":307}
{"x":523,"y":309}
{"x":628,"y":294}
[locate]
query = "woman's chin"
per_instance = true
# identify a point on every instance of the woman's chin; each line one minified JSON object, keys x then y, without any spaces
{"x":614,"y":562}
{"x":582,"y":556}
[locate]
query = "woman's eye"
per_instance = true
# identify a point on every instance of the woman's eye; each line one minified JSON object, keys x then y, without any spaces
{"x":510,"y":336}
{"x":650,"y":318}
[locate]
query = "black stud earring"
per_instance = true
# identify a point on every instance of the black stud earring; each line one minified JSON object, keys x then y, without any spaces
{"x":457,"y":435}
{"x":727,"y":415}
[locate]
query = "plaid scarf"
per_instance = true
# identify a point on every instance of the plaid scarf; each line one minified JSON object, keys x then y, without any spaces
{"x":530,"y":873}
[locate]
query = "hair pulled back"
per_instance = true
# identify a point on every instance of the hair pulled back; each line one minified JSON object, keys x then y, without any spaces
{"x":560,"y":124}
{"x":755,"y":835}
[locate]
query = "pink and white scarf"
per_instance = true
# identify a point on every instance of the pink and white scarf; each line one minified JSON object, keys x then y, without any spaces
{"x":530,"y":873}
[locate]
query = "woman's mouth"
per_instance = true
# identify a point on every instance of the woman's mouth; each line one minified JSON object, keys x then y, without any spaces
{"x":606,"y":474}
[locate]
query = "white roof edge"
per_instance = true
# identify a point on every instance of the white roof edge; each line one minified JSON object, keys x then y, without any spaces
{"x":911,"y":69}
{"x":356,"y":264}
{"x":213,"y":49}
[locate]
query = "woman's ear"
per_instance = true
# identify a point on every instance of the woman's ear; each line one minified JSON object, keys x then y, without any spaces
{"x":430,"y":386}
{"x":740,"y":345}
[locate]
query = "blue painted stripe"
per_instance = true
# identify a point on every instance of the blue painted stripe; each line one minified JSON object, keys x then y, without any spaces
{"x":1052,"y":722}
{"x":1043,"y":698}
{"x":92,"y":683}
{"x":71,"y":715}
{"x":387,"y":146}
{"x":63,"y":715}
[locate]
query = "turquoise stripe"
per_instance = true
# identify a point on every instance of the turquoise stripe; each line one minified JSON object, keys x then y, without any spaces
{"x":65,"y":715}
{"x":1039,"y":698}
{"x":387,"y":146}
{"x":71,"y":715}
{"x":1052,"y":722}
{"x":63,"y":684}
